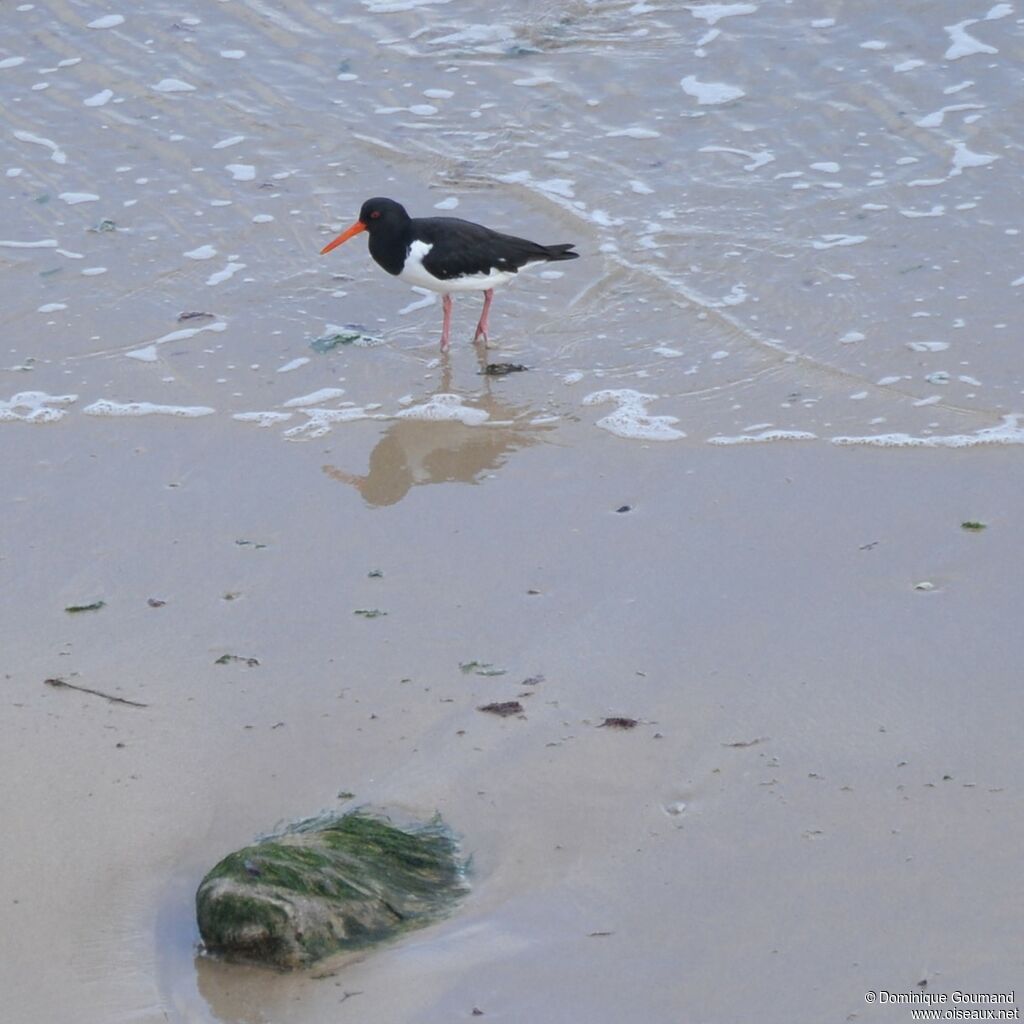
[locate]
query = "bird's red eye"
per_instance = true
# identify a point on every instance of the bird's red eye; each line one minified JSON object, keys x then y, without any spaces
{"x":375,"y":214}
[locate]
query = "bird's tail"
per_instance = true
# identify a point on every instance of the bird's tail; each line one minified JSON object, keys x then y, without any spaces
{"x":563,"y":251}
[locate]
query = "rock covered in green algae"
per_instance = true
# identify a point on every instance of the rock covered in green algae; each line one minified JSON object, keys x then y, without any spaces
{"x":327,"y":886}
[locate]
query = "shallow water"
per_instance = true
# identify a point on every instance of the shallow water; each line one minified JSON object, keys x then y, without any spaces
{"x":800,"y":229}
{"x":827,"y":241}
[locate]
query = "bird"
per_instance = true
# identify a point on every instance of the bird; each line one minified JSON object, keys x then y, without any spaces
{"x":446,"y":255}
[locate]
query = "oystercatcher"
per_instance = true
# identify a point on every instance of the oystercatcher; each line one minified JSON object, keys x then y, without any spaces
{"x":446,"y":254}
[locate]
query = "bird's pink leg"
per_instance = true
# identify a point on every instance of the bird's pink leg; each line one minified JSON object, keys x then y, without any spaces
{"x":446,"y":327}
{"x":481,"y":327}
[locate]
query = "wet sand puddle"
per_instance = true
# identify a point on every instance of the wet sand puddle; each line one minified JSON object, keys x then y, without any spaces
{"x":800,"y":227}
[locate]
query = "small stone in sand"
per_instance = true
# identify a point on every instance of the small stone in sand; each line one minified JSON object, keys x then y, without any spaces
{"x":502,"y":369}
{"x":227,"y":659}
{"x":503,"y":708}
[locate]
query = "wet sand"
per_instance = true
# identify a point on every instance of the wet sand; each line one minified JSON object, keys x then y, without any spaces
{"x":822,"y":793}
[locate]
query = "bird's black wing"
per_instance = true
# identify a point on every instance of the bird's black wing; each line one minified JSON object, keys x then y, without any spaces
{"x":461,"y":248}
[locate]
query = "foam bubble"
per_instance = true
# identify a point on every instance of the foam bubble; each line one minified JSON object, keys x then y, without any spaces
{"x":394,"y":6}
{"x":57,"y":155}
{"x":444,"y":408}
{"x":143,"y":355}
{"x":963,"y":157}
{"x":633,"y":133}
{"x":320,"y":421}
{"x":189,"y":332}
{"x":241,"y":172}
{"x":710,"y":93}
{"x":314,"y":398}
{"x":712,"y":13}
{"x":107,"y":21}
{"x":935,"y":119}
{"x":263,"y":419}
{"x":962,"y":44}
{"x":831,"y":241}
{"x":45,"y":243}
{"x":765,"y":435}
{"x":222,"y":275}
{"x":631,"y":419}
{"x":172,"y":85}
{"x":34,"y":407}
{"x":105,"y":407}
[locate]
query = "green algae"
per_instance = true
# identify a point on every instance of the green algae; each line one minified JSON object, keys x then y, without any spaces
{"x":346,"y":336}
{"x":328,"y":885}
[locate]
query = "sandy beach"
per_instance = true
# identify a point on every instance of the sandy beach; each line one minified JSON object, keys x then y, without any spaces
{"x":725,"y":499}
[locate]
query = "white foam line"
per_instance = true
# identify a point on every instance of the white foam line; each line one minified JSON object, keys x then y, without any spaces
{"x":182,"y":335}
{"x":263,"y":419}
{"x":189,"y":332}
{"x":764,"y":436}
{"x":45,"y":243}
{"x":57,"y":155}
{"x":105,"y":407}
{"x":935,"y":119}
{"x":222,"y":275}
{"x":1008,"y":433}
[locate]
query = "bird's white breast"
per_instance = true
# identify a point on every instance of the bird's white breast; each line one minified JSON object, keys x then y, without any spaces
{"x":416,"y":274}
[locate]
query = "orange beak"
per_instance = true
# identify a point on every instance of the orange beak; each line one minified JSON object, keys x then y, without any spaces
{"x":344,"y":236}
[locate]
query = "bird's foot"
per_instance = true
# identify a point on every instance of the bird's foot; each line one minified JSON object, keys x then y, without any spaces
{"x":481,"y":335}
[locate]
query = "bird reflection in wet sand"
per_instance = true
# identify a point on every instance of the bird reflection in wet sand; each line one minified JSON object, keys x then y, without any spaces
{"x":415,"y":452}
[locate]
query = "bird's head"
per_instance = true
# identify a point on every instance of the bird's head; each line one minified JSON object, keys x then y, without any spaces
{"x":377,"y":216}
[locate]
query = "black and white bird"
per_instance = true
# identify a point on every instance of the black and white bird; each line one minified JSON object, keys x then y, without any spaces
{"x":447,"y":254}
